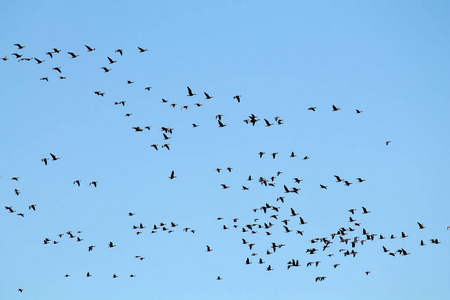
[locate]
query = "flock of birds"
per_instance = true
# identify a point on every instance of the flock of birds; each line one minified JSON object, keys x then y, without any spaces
{"x":347,"y":240}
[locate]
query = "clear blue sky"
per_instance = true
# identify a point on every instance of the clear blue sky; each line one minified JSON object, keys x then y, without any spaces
{"x":388,"y":59}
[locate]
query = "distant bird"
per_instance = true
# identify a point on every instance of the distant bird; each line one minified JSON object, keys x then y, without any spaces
{"x":90,"y":248}
{"x":88,"y":274}
{"x":261,"y":154}
{"x":147,"y":88}
{"x":44,"y":78}
{"x":292,"y":154}
{"x":274,"y":154}
{"x":221,"y":124}
{"x":360,"y":179}
{"x":368,"y":272}
{"x":49,"y":54}
{"x":105,"y":69}
{"x":73,"y":55}
{"x":190,"y":92}
{"x":172,"y":175}
{"x":94,"y":183}
{"x":54,"y":157}
{"x":306,"y":157}
{"x":20,"y":290}
{"x":302,"y":222}
{"x":111,"y":245}
{"x":388,"y":142}
{"x":45,"y":160}
{"x":238,"y":98}
{"x":38,"y":61}
{"x":111,"y":61}
{"x":268,"y":123}
{"x":141,"y":50}
{"x":19,"y":46}
{"x":421,"y":226}
{"x":219,"y":278}
{"x":57,"y":69}
{"x":120,"y":51}
{"x":323,"y":186}
{"x":338,"y":179}
{"x":55,"y":50}
{"x":365,"y":211}
{"x":89,"y":49}
{"x":32,"y":206}
{"x":358,"y":111}
{"x":130,"y":82}
{"x":335,"y":108}
{"x":313,"y":108}
{"x":224,"y":186}
{"x":269,"y":268}
{"x":208,"y":248}
{"x":77,"y":182}
{"x":207,"y":95}
{"x":194,"y":125}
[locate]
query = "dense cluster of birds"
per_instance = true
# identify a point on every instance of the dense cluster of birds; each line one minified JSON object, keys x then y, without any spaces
{"x":347,"y":240}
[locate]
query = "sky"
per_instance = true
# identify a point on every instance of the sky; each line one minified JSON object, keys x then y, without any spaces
{"x":386,"y":59}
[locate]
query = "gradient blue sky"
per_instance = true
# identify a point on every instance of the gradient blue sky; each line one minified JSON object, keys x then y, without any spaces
{"x":388,"y":59}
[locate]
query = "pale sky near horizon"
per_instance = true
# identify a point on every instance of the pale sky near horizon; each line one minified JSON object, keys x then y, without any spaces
{"x":386,"y":59}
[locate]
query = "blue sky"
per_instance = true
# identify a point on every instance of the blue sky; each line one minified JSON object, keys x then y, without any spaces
{"x":389,"y":60}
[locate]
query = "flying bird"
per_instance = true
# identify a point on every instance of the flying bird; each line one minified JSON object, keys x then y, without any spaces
{"x":73,"y":55}
{"x":89,"y":49}
{"x":94,"y":183}
{"x":190,"y":92}
{"x":54,"y":157}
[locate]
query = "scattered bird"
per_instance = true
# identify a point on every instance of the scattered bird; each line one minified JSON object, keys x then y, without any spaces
{"x":94,"y":183}
{"x":54,"y":157}
{"x":190,"y":92}
{"x":111,"y":61}
{"x":73,"y":55}
{"x":89,"y":49}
